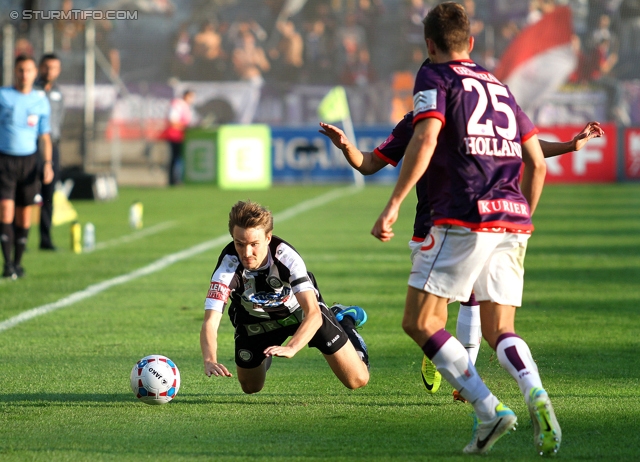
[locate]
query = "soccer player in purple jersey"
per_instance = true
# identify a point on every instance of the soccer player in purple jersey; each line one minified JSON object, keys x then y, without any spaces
{"x":470,"y":133}
{"x":391,"y":152}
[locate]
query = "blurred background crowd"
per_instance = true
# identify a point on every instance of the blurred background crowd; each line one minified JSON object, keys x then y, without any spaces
{"x":283,"y":55}
{"x":353,"y":42}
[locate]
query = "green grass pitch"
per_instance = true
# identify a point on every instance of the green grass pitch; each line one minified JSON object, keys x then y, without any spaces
{"x":64,"y":376}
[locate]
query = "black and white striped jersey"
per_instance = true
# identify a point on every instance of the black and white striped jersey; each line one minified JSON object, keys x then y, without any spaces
{"x":263,"y":294}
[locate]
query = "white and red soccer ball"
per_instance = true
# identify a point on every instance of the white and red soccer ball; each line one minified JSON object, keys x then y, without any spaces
{"x":155,"y":379}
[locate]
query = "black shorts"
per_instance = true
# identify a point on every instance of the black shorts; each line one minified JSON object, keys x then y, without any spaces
{"x":19,"y":178}
{"x":253,"y":339}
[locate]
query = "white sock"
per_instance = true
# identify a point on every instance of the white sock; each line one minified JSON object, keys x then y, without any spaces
{"x":468,"y":329}
{"x":514,"y":355}
{"x":452,"y":361}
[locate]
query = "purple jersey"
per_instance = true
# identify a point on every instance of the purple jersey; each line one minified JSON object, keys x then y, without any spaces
{"x":473,"y":176}
{"x":392,"y":151}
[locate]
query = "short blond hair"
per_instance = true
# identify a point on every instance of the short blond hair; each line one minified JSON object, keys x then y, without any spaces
{"x":250,"y":215}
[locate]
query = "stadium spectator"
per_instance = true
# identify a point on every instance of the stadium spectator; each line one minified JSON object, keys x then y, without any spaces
{"x":180,"y":117}
{"x":477,"y":31}
{"x":287,"y":56}
{"x":358,"y":69}
{"x":535,"y":12}
{"x":246,"y":25}
{"x":319,"y":54}
{"x":368,"y":14}
{"x":48,"y":72}
{"x":23,"y":47}
{"x":606,"y":79}
{"x":351,"y":35}
{"x":507,"y":32}
{"x":210,"y":62}
{"x":321,"y":10}
{"x":106,"y":42}
{"x":249,"y":63}
{"x":391,"y":152}
{"x":24,"y":123}
{"x":595,"y":67}
{"x":629,"y":26}
{"x":70,"y":28}
{"x":476,"y":24}
{"x":602,"y":31}
{"x":273,"y":297}
{"x":538,"y":8}
{"x":182,"y":59}
{"x":478,"y":206}
{"x":249,"y":59}
{"x":414,"y":12}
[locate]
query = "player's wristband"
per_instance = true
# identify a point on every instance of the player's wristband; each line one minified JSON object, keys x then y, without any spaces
{"x":48,"y":162}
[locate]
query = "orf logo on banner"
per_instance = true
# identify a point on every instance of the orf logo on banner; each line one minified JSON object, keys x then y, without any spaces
{"x":594,"y":163}
{"x":632,"y":153}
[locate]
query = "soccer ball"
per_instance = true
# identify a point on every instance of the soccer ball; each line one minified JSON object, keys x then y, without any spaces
{"x":155,"y":379}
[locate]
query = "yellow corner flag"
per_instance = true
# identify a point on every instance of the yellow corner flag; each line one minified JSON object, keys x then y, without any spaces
{"x":334,"y":106}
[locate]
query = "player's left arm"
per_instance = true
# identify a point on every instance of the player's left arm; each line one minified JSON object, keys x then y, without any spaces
{"x":416,"y":160}
{"x":590,"y":131}
{"x":47,"y":154}
{"x":307,"y":329}
{"x":535,"y":169}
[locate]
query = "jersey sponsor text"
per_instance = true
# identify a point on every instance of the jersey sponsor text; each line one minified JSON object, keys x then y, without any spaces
{"x":503,"y":206}
{"x":218,"y":291}
{"x":489,"y":146}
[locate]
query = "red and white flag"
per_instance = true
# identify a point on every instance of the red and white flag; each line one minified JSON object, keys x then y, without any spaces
{"x":539,"y":59}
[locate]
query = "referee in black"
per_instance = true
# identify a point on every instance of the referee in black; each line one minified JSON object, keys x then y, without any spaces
{"x":24,"y":121}
{"x":48,"y":72}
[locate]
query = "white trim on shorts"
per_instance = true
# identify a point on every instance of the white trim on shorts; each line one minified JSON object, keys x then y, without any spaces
{"x":454,"y":260}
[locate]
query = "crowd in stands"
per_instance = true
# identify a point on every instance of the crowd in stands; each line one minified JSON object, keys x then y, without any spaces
{"x":330,"y":41}
{"x":317,"y":46}
{"x":324,"y":46}
{"x":357,"y":42}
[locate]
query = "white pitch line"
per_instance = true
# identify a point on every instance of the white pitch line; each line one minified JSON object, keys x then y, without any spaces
{"x":135,"y":236}
{"x":166,"y":261}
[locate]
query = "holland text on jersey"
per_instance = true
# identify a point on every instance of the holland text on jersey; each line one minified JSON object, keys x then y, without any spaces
{"x":488,"y":146}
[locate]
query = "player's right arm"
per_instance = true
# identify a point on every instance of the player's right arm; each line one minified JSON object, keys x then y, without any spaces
{"x":366,"y":163}
{"x":416,"y":160}
{"x":221,"y":286}
{"x":209,"y":344}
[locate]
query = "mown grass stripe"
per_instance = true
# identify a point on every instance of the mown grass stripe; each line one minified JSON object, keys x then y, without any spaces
{"x":135,"y":236}
{"x":168,"y":260}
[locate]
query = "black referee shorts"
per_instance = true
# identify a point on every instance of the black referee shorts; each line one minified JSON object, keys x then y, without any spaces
{"x":249,"y":348}
{"x":19,"y":178}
